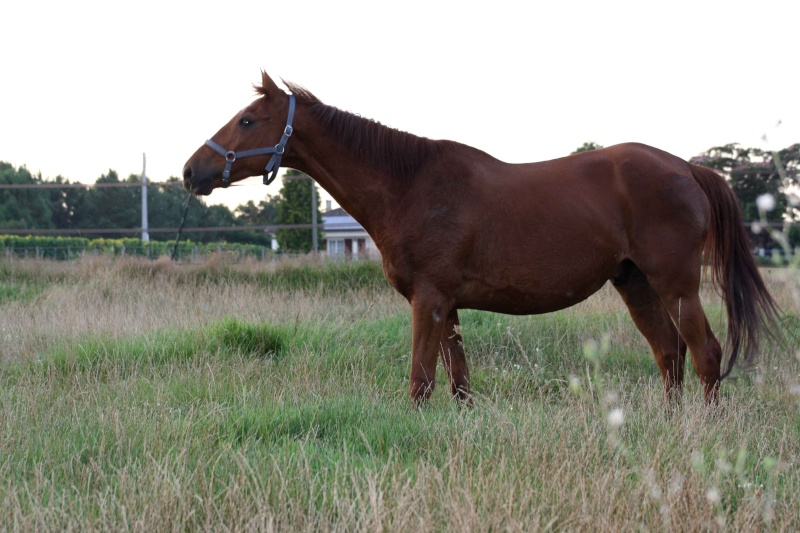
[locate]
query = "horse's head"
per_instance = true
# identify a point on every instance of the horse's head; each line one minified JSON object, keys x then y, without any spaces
{"x":250,"y":144}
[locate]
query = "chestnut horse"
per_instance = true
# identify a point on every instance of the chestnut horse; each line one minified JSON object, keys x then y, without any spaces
{"x":458,"y":229}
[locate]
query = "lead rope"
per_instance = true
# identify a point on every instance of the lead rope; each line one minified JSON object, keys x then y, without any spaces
{"x":180,"y":228}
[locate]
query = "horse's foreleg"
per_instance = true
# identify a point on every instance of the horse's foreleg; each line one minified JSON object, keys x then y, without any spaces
{"x":429,"y":313}
{"x":451,"y":350}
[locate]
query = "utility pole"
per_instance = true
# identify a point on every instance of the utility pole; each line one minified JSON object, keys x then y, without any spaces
{"x":145,"y":234}
{"x":314,"y":230}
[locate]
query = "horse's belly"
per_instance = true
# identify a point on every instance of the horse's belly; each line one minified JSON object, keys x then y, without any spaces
{"x":524,"y":300}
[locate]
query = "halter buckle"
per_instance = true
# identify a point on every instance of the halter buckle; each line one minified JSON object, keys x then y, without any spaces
{"x":288,"y":130}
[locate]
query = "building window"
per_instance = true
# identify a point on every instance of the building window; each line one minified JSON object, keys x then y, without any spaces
{"x":336,"y":247}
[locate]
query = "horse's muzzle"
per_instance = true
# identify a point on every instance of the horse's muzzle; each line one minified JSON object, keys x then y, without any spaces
{"x":193,"y":184}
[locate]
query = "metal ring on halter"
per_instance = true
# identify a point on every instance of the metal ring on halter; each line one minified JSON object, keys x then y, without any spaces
{"x":230,"y":155}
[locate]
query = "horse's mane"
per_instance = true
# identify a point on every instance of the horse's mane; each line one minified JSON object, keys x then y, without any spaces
{"x":398,"y":153}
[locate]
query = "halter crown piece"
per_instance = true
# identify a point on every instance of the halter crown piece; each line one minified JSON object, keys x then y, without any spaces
{"x":274,"y":163}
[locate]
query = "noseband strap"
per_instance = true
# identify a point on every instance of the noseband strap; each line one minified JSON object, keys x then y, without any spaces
{"x":274,"y":163}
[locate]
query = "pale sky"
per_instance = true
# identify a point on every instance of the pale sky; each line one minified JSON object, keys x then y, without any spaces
{"x":88,"y":86}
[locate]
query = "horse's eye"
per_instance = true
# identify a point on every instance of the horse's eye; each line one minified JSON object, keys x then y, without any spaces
{"x":245,"y":122}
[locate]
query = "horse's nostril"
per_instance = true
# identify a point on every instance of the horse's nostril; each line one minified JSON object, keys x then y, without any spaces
{"x":187,"y":172}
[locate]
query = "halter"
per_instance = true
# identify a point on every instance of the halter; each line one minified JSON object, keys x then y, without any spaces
{"x":274,"y":162}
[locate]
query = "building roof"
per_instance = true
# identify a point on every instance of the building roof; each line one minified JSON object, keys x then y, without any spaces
{"x":338,"y":220}
{"x":338,"y":212}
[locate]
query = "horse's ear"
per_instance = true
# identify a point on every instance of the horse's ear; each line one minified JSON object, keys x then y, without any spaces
{"x":267,"y":85}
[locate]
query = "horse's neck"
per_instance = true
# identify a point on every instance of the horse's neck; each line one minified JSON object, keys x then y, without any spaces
{"x":367,"y":194}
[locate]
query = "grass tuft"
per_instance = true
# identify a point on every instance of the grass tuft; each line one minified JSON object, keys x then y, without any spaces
{"x":261,"y":340}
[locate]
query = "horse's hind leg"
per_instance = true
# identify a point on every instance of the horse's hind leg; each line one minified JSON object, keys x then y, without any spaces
{"x":653,"y":321}
{"x":706,"y":352}
{"x":678,"y":286}
{"x":451,"y":350}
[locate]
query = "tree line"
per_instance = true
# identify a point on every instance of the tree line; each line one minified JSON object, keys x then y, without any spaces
{"x":751,"y":172}
{"x":120,"y":207}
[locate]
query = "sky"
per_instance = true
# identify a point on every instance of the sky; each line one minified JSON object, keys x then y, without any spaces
{"x":91,"y":86}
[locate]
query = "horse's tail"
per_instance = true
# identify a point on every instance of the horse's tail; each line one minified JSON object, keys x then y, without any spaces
{"x":752,"y":312}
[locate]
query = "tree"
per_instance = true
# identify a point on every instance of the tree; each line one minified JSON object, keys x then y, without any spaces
{"x":588,"y":146}
{"x":751,"y":172}
{"x":67,"y":205}
{"x":111,"y":207}
{"x":789,"y":159}
{"x":166,"y":207}
{"x":294,"y":207}
{"x":263,"y":214}
{"x":23,"y":208}
{"x":116,"y":207}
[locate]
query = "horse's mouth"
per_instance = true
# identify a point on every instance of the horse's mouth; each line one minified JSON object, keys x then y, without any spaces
{"x":199,"y":189}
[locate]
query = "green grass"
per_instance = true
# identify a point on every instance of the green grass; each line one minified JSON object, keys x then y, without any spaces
{"x":294,"y":424}
{"x":18,"y":292}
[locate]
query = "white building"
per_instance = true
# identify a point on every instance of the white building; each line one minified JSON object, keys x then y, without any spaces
{"x":344,"y":236}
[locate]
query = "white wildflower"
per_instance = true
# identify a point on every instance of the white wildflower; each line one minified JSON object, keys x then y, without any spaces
{"x":616,"y":418}
{"x":765,"y":202}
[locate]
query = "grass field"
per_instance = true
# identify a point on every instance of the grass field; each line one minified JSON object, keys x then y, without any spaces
{"x":147,"y":396}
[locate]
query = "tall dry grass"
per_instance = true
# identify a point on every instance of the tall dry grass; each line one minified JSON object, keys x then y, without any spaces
{"x":115,"y":298}
{"x":131,"y":400}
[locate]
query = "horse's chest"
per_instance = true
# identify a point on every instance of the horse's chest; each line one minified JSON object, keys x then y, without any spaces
{"x":398,"y":275}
